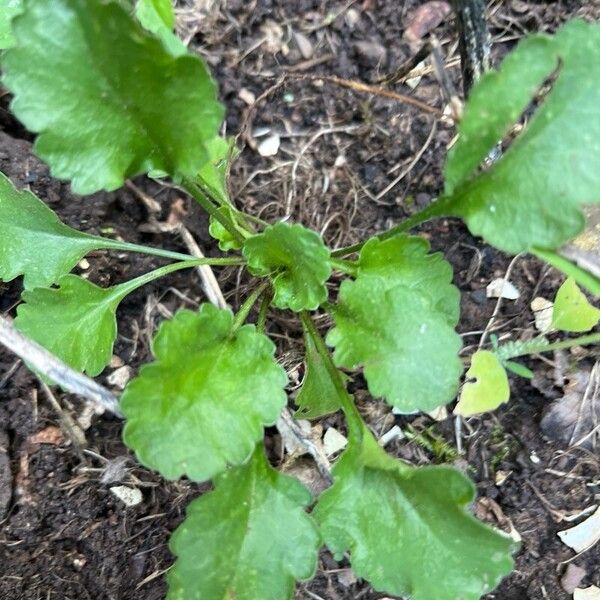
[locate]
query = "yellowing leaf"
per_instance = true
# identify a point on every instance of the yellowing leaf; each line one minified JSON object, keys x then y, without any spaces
{"x":490,"y":388}
{"x":572,"y":311}
{"x":249,"y":539}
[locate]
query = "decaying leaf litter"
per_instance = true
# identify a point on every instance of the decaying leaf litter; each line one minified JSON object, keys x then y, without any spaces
{"x":350,"y":146}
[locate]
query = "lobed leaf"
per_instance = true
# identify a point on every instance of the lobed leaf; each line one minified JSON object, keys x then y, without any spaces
{"x":34,"y":242}
{"x":419,"y":541}
{"x":249,"y":539}
{"x":397,"y":321}
{"x":298,"y":261}
{"x":405,"y":260}
{"x":202,"y":404}
{"x":532,"y":195}
{"x":75,"y":321}
{"x":125,"y":105}
{"x":572,"y":310}
{"x":490,"y":388}
{"x":317,"y":396}
{"x":8,"y":10}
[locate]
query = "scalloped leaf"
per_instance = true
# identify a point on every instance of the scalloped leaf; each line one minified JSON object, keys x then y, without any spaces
{"x":124,"y":106}
{"x":158,"y":17}
{"x":532,"y":195}
{"x":572,"y":310}
{"x":249,"y":539}
{"x":203,"y":403}
{"x":223,"y":236}
{"x":297,"y":260}
{"x":8,"y":10}
{"x":490,"y":388}
{"x":407,"y":529}
{"x":75,"y":321}
{"x":407,"y":348}
{"x":34,"y":242}
{"x":406,"y":260}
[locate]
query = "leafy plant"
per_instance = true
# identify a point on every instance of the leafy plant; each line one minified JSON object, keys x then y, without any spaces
{"x":133,"y":100}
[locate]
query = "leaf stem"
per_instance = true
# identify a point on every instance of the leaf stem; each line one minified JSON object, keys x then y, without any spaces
{"x":199,"y":195}
{"x":435,"y":209}
{"x":355,"y":421}
{"x":532,"y":348}
{"x":109,"y":244}
{"x":581,"y":276}
{"x":124,"y":289}
{"x":262,"y":312}
{"x":345,"y":266}
{"x":247,"y":305}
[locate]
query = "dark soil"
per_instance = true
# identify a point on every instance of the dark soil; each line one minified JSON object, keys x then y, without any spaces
{"x":63,"y":533}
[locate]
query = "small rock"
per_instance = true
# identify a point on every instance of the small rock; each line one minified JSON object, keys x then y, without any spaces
{"x":426,"y":18}
{"x":247,"y":96}
{"x":304,"y":45}
{"x":572,"y":578}
{"x":542,"y":311}
{"x":120,"y":377}
{"x":479,"y":296}
{"x":583,"y":536}
{"x":129,"y":496}
{"x":346,"y":577}
{"x":352,"y":18}
{"x":591,"y":593}
{"x":333,"y":441}
{"x":269,"y":146}
{"x":395,"y":433}
{"x":370,"y":54}
{"x":502,"y":288}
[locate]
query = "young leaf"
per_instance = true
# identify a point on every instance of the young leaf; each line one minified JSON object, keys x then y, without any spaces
{"x":407,"y":530}
{"x":34,"y":243}
{"x":214,"y":173}
{"x":531,"y":196}
{"x":572,"y":311}
{"x":317,"y":396}
{"x":408,"y":349}
{"x":124,"y":105}
{"x":157,"y":16}
{"x":8,"y":10}
{"x":518,"y":369}
{"x":202,"y":404}
{"x":405,"y":260}
{"x":490,"y":388}
{"x":249,"y":539}
{"x":223,"y":236}
{"x":76,"y":321}
{"x":297,"y":259}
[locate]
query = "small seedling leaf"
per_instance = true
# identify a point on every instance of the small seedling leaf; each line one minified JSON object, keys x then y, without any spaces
{"x":34,"y":242}
{"x":532,"y":195}
{"x":297,"y":260}
{"x":8,"y":10}
{"x":407,"y":529}
{"x":490,"y":388}
{"x":213,"y":174}
{"x":125,"y":105}
{"x":407,"y":348}
{"x":317,"y":396}
{"x":249,"y":539}
{"x":75,"y":321}
{"x":572,"y":310}
{"x":202,"y":404}
{"x":518,"y":369}
{"x":405,"y":260}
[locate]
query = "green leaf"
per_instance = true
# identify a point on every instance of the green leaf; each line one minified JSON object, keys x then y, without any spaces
{"x":34,"y":243}
{"x":298,"y":261}
{"x":518,"y":369}
{"x":405,"y":260}
{"x":157,"y":16}
{"x":407,"y":530}
{"x":8,"y":10}
{"x":204,"y":401}
{"x":223,"y":236}
{"x":249,"y":539}
{"x":213,"y":174}
{"x":123,"y":106}
{"x":75,"y":321}
{"x":572,"y":311}
{"x":317,"y":396}
{"x":408,"y":349}
{"x":490,"y":388}
{"x":532,"y":195}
